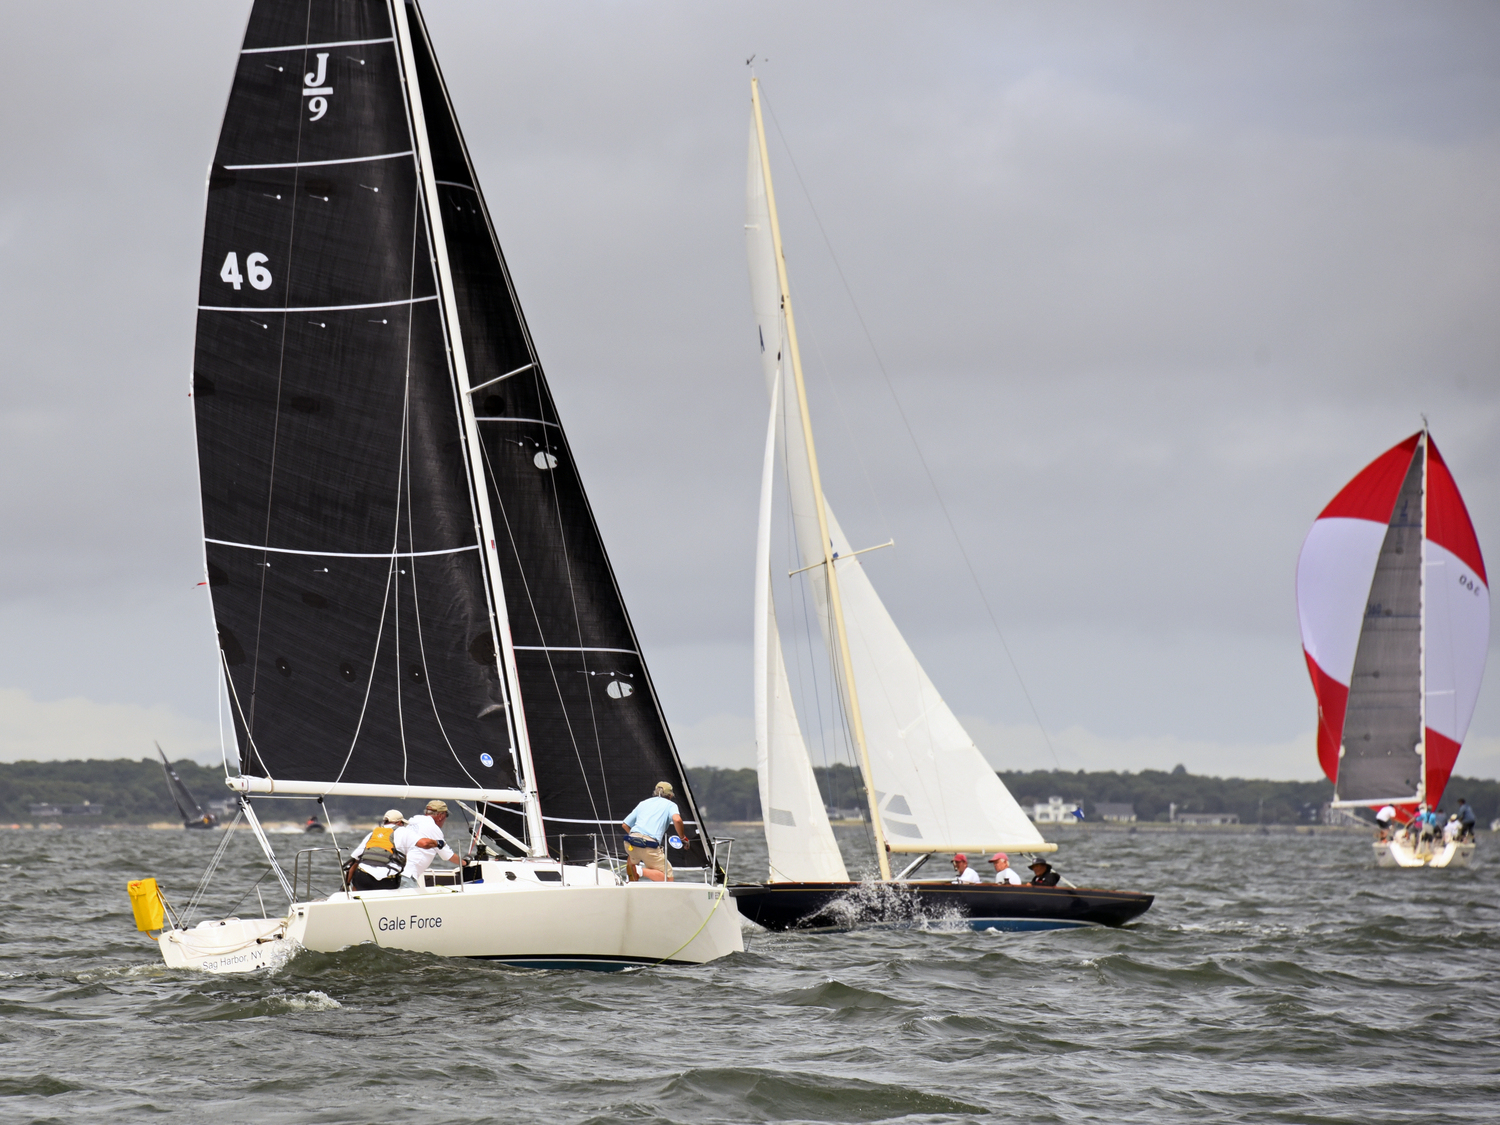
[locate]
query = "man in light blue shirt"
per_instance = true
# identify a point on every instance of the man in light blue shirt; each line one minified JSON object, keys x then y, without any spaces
{"x":645,"y":832}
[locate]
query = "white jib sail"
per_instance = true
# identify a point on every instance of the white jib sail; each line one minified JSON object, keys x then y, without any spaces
{"x":799,"y":840}
{"x":935,"y":790}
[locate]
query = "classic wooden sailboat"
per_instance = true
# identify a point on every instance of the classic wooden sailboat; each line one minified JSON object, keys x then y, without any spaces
{"x":1394,"y":607}
{"x":929,"y":789}
{"x":411,"y":594}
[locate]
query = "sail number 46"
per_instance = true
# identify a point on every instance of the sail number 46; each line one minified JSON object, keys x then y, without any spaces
{"x":255,"y":266}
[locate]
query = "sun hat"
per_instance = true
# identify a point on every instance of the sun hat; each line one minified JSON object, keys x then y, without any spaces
{"x":395,"y":815}
{"x":437,"y":806}
{"x":1039,"y":863}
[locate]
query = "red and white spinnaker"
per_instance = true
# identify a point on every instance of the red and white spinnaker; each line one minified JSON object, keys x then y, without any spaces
{"x":1394,"y":607}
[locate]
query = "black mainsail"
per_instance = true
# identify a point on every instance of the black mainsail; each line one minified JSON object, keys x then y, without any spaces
{"x":399,"y":546}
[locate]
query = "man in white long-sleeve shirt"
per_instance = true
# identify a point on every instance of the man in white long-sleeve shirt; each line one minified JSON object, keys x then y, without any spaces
{"x":422,"y":840}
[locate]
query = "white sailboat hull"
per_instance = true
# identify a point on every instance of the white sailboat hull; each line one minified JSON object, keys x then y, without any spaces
{"x":1401,"y":853}
{"x":523,"y":922}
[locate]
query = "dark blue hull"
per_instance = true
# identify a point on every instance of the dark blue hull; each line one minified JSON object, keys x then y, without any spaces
{"x":855,"y":906}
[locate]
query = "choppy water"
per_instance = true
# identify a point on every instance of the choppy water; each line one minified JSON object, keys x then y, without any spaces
{"x":1276,"y":979}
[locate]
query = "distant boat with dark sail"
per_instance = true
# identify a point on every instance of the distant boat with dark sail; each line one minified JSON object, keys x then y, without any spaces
{"x":193,"y":814}
{"x":929,"y":789}
{"x":1394,"y":606}
{"x":412,"y":597}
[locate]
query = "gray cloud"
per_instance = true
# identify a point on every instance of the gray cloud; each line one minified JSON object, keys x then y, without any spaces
{"x":1151,"y":283}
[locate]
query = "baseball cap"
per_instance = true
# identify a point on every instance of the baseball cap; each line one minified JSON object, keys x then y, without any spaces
{"x":998,"y":856}
{"x":395,"y":815}
{"x":664,"y":789}
{"x":437,"y":806}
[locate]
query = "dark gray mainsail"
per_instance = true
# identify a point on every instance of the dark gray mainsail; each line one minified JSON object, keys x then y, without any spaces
{"x":1380,"y":758}
{"x":351,"y":578}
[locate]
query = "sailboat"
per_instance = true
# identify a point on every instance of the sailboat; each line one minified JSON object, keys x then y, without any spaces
{"x":412,"y":598}
{"x":928,"y":788}
{"x":1394,"y":607}
{"x":192,"y":813}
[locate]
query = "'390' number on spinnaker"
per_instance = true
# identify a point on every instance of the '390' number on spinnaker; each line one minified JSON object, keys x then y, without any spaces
{"x":255,"y":266}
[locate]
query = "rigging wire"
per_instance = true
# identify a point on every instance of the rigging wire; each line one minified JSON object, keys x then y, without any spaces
{"x":911,"y":434}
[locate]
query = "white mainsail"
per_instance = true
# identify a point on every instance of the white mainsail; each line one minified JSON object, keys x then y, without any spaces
{"x":934,"y":789}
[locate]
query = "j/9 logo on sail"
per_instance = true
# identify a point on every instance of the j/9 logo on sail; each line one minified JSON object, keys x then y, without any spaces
{"x":255,"y":265}
{"x":313,"y":88}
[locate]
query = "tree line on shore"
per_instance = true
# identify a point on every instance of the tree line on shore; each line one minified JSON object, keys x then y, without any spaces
{"x":729,"y":794}
{"x":136,"y":792}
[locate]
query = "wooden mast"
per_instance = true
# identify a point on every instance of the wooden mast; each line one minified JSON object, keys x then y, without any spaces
{"x":856,"y":722}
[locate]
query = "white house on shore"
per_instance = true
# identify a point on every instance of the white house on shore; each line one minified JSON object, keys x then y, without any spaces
{"x":1055,"y":811}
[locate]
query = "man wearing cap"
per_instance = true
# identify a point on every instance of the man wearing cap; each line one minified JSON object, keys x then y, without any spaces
{"x":379,"y":859}
{"x":423,"y":837}
{"x":1003,"y":874}
{"x":961,"y":868}
{"x":1043,"y":875}
{"x":645,"y":833}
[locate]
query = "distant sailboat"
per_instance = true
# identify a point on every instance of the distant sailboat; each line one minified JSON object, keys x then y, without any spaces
{"x":1394,"y":607}
{"x":412,"y":597}
{"x":192,"y":813}
{"x":929,"y":788}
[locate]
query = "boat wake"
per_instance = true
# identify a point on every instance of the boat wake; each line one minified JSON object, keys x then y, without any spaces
{"x":873,"y":904}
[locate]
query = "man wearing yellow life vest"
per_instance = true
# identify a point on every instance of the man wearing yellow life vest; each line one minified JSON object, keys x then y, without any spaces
{"x":380,"y":857}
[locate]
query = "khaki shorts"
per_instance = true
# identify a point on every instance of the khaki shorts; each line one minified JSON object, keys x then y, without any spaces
{"x":653,"y":859}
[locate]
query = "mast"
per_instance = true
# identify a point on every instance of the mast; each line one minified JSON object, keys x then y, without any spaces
{"x":505,"y":652}
{"x":856,"y":722}
{"x":1422,"y":635}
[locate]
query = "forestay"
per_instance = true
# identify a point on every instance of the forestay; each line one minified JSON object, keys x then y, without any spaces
{"x":935,"y":790}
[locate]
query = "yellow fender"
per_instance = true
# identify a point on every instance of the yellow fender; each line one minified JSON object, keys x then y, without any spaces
{"x":146,"y":902}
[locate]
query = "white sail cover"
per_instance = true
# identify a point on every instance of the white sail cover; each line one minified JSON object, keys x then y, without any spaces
{"x":799,"y":840}
{"x":1393,"y":601}
{"x":935,"y":791}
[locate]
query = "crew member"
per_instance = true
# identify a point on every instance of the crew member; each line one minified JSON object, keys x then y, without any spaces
{"x":961,"y":868}
{"x":1043,"y":875}
{"x":645,"y":832}
{"x":422,"y":840}
{"x":1466,"y":818}
{"x":1385,"y":818}
{"x":378,"y":862}
{"x":1003,"y":872}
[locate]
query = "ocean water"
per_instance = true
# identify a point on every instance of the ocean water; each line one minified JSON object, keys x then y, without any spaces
{"x":1277,"y":978}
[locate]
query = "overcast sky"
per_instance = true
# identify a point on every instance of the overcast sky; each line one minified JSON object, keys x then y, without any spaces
{"x":1151,"y":282}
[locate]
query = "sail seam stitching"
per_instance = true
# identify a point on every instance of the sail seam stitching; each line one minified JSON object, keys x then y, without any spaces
{"x":312,"y":46}
{"x":345,"y":554}
{"x":317,"y":163}
{"x":315,"y":308}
